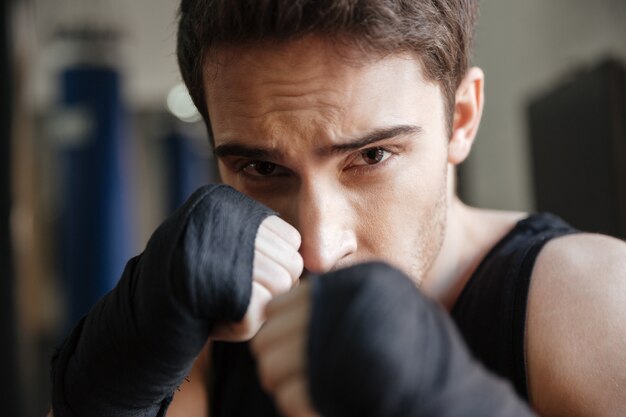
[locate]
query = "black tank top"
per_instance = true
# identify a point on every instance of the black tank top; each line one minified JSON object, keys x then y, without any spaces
{"x":491,"y":310}
{"x":490,"y":313}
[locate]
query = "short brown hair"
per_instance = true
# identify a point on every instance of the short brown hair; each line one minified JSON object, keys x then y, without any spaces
{"x":439,"y":32}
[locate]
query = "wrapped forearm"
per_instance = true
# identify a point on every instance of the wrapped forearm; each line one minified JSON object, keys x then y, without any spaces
{"x":128,"y":355}
{"x":378,"y":347}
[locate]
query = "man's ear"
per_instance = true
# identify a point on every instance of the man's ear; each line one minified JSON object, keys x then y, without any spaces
{"x":468,"y":110}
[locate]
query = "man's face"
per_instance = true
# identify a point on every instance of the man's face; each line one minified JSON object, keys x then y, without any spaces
{"x":354,"y":156}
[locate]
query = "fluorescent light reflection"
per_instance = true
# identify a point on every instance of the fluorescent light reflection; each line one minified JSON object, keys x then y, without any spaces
{"x":179,"y":103}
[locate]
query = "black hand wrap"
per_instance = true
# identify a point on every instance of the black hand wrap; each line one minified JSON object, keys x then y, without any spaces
{"x":379,"y":348}
{"x":132,"y":350}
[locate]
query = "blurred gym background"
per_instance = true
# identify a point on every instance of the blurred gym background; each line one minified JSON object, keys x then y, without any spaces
{"x":99,"y":143}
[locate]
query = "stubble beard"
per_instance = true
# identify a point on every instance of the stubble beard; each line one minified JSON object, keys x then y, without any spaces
{"x":429,"y":239}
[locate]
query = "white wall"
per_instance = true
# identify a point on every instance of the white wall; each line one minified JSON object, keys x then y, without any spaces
{"x":524,"y":46}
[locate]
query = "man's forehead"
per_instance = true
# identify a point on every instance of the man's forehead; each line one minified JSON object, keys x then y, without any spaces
{"x":302,"y":57}
{"x":304,"y":89}
{"x":302,"y":75}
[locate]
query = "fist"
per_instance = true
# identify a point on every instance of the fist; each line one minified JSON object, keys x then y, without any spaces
{"x":276,"y":269}
{"x":280,"y":351}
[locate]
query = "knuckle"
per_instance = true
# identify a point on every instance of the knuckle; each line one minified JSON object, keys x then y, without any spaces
{"x":286,"y":231}
{"x":271,"y":220}
{"x":260,"y":264}
{"x":297,"y":264}
{"x":294,"y":236}
{"x":283,"y":278}
{"x":279,"y":281}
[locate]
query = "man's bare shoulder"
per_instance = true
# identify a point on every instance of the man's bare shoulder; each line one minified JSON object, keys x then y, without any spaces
{"x":576,"y":331}
{"x":584,"y":251}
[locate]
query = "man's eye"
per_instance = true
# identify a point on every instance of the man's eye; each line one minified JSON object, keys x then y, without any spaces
{"x":373,"y":156}
{"x":261,"y":169}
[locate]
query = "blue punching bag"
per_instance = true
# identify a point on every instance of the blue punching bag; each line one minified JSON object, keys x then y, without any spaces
{"x":96,"y":232}
{"x":188,"y":167}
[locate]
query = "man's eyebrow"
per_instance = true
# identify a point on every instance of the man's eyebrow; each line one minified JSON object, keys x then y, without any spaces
{"x":374,"y":136}
{"x":377,"y":135}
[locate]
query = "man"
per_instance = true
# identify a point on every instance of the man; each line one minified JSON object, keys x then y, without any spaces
{"x":347,"y":119}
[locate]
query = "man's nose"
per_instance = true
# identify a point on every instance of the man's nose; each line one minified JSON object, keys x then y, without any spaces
{"x":325,"y":221}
